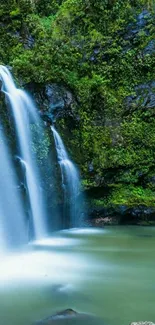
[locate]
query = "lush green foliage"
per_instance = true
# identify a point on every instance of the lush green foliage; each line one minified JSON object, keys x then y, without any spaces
{"x":88,"y":46}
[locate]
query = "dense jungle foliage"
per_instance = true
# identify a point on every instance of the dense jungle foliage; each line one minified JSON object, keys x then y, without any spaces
{"x":103,"y":51}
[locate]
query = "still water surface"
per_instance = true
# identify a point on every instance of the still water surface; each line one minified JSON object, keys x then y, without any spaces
{"x":109,"y":273}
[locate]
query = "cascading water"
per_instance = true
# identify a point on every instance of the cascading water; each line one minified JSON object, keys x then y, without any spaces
{"x":24,"y":112}
{"x":13,"y":230}
{"x":70,"y":182}
{"x":15,"y":227}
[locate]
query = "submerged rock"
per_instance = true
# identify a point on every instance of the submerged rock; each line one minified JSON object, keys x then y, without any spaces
{"x":143,"y":323}
{"x":70,"y":316}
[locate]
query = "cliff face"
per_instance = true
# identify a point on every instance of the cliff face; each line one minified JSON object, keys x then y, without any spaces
{"x":91,"y":67}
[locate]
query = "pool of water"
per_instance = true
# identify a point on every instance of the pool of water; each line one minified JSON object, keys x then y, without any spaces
{"x":109,"y":273}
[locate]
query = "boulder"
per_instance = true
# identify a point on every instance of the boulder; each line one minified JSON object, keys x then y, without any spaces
{"x":70,"y":316}
{"x":143,"y":323}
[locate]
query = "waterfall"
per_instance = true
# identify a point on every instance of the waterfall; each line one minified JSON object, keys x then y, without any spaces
{"x":15,"y":225}
{"x":70,"y":181}
{"x":12,"y":217}
{"x":24,"y":113}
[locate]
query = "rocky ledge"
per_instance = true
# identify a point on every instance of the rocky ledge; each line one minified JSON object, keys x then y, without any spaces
{"x":121,"y":215}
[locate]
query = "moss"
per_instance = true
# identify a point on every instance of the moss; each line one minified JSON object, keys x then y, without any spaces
{"x":89,"y":47}
{"x":132,"y":196}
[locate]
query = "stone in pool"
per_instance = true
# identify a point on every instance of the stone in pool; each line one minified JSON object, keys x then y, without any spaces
{"x":69,"y":317}
{"x":143,"y":323}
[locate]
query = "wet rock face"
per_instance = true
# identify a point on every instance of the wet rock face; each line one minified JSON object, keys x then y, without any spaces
{"x":138,"y":28}
{"x":150,"y":48}
{"x":121,"y":214}
{"x":144,"y":97}
{"x":55,"y":102}
{"x":29,"y":42}
{"x":140,"y":24}
{"x":137,"y":214}
{"x":131,"y":36}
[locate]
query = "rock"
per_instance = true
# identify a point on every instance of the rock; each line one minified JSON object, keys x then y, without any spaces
{"x":141,"y":22}
{"x":150,"y":48}
{"x":58,"y":317}
{"x":54,"y":101}
{"x":144,"y":97}
{"x":93,"y":58}
{"x":100,"y":216}
{"x":90,"y":167}
{"x":142,"y":18}
{"x":61,"y":101}
{"x":101,"y":222}
{"x":143,"y":323}
{"x":137,"y":215}
{"x":151,"y":180}
{"x":134,"y":31}
{"x":70,"y":316}
{"x":29,"y":42}
{"x":121,"y":214}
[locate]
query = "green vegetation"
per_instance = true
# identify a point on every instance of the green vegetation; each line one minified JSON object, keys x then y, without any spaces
{"x":91,"y":47}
